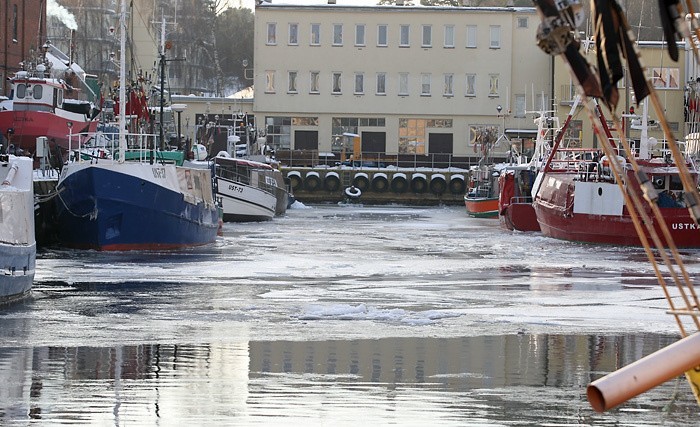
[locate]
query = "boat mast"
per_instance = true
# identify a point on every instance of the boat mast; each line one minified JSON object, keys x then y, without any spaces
{"x":162,"y":79}
{"x":122,"y":80}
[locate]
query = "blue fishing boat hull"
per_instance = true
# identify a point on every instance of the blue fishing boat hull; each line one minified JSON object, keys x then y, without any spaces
{"x":113,"y":210}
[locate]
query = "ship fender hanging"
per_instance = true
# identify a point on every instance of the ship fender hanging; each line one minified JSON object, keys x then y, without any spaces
{"x":457,"y":184}
{"x":438,"y":185}
{"x":380,"y":183}
{"x":312,"y":181}
{"x":399,"y":183}
{"x":419,"y":183}
{"x":361,"y":181}
{"x":353,"y":192}
{"x":294,"y":178}
{"x":331,"y":182}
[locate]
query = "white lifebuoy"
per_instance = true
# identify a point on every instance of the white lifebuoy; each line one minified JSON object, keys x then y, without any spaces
{"x":353,"y":192}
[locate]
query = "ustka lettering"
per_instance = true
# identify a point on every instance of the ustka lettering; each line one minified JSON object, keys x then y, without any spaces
{"x":684,"y":226}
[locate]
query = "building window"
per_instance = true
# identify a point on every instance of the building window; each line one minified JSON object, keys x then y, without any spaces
{"x":495,"y":31}
{"x":382,"y":35}
{"x":270,"y":81}
{"x":294,"y":34}
{"x":520,"y":101}
{"x":359,"y":83}
{"x":271,"y":33}
{"x":483,"y":137}
{"x":279,"y":131}
{"x":403,"y":84}
{"x":425,"y":84}
{"x":381,"y":83}
{"x":292,"y":78}
{"x":337,"y":34}
{"x":471,"y":36}
{"x":404,"y":35}
{"x":665,"y":78}
{"x":412,"y":136}
{"x":315,"y":34}
{"x":449,"y":36}
{"x":541,"y":102}
{"x":427,"y":36}
{"x":15,"y":35}
{"x":336,"y":80}
{"x":360,"y":35}
{"x":313,"y":82}
{"x":522,"y":22}
{"x":471,"y":85}
{"x":448,"y":90}
{"x":493,"y":85}
{"x":572,"y":136}
{"x":305,"y":121}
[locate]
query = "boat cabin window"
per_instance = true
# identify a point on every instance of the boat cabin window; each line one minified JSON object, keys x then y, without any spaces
{"x":38,"y":91}
{"x":59,"y":97}
{"x":21,"y":90}
{"x":676,"y":183}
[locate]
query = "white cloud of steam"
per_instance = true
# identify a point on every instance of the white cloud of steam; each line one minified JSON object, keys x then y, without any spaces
{"x":60,"y":12}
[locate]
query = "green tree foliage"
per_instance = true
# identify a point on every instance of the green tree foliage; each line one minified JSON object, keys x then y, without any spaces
{"x":234,"y":43}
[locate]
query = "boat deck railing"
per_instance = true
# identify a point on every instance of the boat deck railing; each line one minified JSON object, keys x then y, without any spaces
{"x":105,"y":146}
{"x":242,"y":175}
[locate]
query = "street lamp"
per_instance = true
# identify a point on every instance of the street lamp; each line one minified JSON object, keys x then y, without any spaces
{"x":179,"y":108}
{"x":245,"y":70}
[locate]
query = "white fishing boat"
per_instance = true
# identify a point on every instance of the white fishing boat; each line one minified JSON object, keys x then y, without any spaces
{"x":249,"y":190}
{"x":17,"y":241}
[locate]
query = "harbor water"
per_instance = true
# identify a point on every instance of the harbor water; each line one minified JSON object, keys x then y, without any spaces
{"x":339,"y":315}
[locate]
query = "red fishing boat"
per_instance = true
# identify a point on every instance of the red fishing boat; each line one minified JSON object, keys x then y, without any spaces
{"x":515,"y":198}
{"x":50,"y":97}
{"x":579,"y":200}
{"x":516,"y":181}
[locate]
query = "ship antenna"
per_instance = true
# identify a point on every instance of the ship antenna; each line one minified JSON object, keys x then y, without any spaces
{"x":122,"y":80}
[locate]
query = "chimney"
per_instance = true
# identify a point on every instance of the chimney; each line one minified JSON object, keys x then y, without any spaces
{"x":331,"y":1}
{"x":399,"y":2}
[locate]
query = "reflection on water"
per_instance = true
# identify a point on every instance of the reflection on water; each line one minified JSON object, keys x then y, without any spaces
{"x":339,"y":316}
{"x":529,"y":378}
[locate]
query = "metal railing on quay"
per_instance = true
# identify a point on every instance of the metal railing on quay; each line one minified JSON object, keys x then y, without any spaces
{"x":314,"y":159}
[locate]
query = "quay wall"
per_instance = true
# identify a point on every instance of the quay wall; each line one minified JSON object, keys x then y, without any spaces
{"x":415,"y":186}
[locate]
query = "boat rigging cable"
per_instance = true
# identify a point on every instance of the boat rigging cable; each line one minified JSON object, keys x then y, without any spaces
{"x":555,"y":38}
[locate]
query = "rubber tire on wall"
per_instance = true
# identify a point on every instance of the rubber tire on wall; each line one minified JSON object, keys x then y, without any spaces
{"x":438,"y":185}
{"x":361,"y":182}
{"x":458,"y":186}
{"x":312,"y":183}
{"x":380,"y":183}
{"x":419,"y":184}
{"x":331,"y":183}
{"x":294,"y":182}
{"x":399,"y":185}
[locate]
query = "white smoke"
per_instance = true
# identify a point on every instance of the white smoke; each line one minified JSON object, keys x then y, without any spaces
{"x":60,"y":12}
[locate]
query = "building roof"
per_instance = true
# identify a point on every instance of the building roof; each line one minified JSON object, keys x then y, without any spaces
{"x":247,"y":93}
